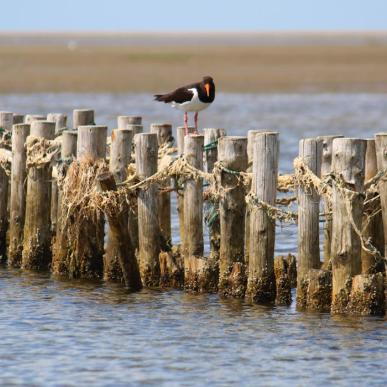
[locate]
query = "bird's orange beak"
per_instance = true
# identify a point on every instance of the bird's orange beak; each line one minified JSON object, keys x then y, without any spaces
{"x":207,"y":87}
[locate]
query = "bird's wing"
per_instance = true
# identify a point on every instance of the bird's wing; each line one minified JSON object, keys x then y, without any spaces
{"x":180,"y":95}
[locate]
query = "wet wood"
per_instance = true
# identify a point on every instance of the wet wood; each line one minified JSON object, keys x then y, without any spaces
{"x":37,"y":227}
{"x":18,"y":119}
{"x":164,"y":137}
{"x":326,"y":168}
{"x":148,"y":218}
{"x":308,"y":216}
{"x":348,"y":157}
{"x":119,"y":246}
{"x":82,"y":117}
{"x":232,"y":206}
{"x":282,"y":281}
{"x":60,"y":120}
{"x":124,"y":121}
{"x":18,"y":194}
{"x":261,"y":281}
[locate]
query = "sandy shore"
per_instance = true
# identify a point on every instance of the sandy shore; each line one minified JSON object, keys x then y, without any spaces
{"x":156,"y":63}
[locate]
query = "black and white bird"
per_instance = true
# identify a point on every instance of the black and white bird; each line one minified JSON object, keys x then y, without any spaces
{"x":194,"y":97}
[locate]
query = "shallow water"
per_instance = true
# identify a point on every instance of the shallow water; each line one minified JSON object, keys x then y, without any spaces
{"x":80,"y":333}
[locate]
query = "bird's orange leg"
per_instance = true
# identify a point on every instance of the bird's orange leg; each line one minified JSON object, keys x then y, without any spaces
{"x":186,"y":122}
{"x":196,"y":122}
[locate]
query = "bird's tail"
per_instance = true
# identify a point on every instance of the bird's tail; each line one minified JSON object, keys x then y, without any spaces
{"x":162,"y":97}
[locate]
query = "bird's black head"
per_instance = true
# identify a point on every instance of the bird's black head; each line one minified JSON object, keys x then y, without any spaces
{"x":208,"y":88}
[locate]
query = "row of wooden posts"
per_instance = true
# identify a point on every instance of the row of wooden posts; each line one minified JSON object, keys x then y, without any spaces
{"x":241,"y":262}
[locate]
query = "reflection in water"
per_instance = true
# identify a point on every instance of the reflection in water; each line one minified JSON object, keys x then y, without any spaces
{"x":56,"y":332}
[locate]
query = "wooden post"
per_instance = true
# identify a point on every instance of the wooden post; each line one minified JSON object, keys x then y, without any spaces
{"x":180,"y":134}
{"x":119,"y":246}
{"x":194,"y":264}
{"x":59,"y":119}
{"x":68,"y":154}
{"x":120,"y":153}
{"x":282,"y":280}
{"x":348,"y":157}
{"x":308,"y":217}
{"x":124,"y":121}
{"x":261,"y":281}
{"x":381,"y":155}
{"x":83,"y":117}
{"x":374,"y":230}
{"x":326,"y":168}
{"x":6,"y":119}
{"x":18,"y":118}
{"x":18,"y":194}
{"x":232,"y":270}
{"x":37,"y":231}
{"x":135,"y":128}
{"x":148,"y":225}
{"x":250,"y":140}
{"x":29,"y":118}
{"x":211,"y":136}
{"x":164,"y":136}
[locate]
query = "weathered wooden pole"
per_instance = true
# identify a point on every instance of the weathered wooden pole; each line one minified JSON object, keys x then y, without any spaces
{"x":180,"y":134}
{"x":60,"y":120}
{"x":326,"y":168}
{"x":148,"y":224}
{"x":308,"y":218}
{"x":18,"y":194}
{"x":211,"y":136}
{"x":381,"y":155}
{"x":124,"y":121}
{"x":6,"y":120}
{"x":135,"y":128}
{"x":232,"y":207}
{"x":18,"y":118}
{"x":194,"y":264}
{"x":164,"y":136}
{"x":119,"y":246}
{"x":120,"y":154}
{"x":261,"y":281}
{"x":83,"y":117}
{"x":68,"y":154}
{"x":29,"y":118}
{"x":37,"y":231}
{"x":348,"y":159}
{"x":372,"y":229}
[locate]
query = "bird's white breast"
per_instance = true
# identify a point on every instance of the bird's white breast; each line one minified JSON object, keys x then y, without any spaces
{"x":195,"y":105}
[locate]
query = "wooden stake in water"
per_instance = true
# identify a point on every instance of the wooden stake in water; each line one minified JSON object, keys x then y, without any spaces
{"x":326,"y":168}
{"x":60,"y":120}
{"x":211,"y":136}
{"x":164,"y":137}
{"x":83,"y":117}
{"x":124,"y":121}
{"x":308,"y":218}
{"x":6,"y":120}
{"x":18,"y":119}
{"x":120,"y":154}
{"x":232,"y":270}
{"x":381,"y":155}
{"x":348,"y":157}
{"x":29,"y":118}
{"x":148,"y":224}
{"x":18,"y":194}
{"x":37,"y":231}
{"x":261,"y":281}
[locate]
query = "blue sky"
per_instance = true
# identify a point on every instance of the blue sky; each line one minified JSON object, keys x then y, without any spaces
{"x":193,"y":15}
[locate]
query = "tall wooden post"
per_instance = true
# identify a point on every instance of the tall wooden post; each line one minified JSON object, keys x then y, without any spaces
{"x":120,"y":153}
{"x":83,"y":117}
{"x":148,"y":225}
{"x":232,"y":270}
{"x":18,"y":194}
{"x":261,"y":281}
{"x":164,"y":136}
{"x":18,"y":119}
{"x":373,"y":230}
{"x":37,"y":231}
{"x":326,"y":168}
{"x":348,"y":157}
{"x":6,"y":120}
{"x":308,"y":218}
{"x":60,"y":120}
{"x":180,"y":134}
{"x":124,"y":121}
{"x":29,"y":118}
{"x":211,"y":136}
{"x":381,"y":155}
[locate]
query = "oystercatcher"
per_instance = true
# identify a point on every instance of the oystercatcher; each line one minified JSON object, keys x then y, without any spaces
{"x":191,"y":98}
